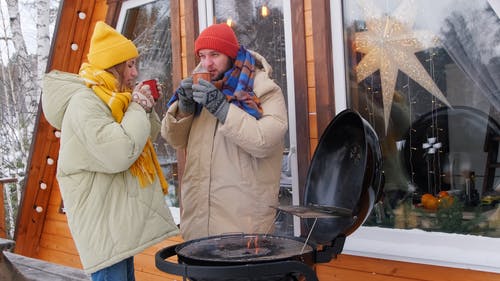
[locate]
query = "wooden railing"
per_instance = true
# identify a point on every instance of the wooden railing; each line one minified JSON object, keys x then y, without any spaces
{"x":3,"y":229}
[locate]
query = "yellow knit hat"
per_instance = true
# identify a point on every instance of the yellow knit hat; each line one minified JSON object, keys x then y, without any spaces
{"x":108,"y":47}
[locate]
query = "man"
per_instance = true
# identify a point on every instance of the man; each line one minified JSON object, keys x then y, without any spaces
{"x":233,"y":129}
{"x":108,"y":173}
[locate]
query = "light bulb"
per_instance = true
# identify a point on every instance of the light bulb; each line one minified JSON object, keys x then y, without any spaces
{"x":264,"y":11}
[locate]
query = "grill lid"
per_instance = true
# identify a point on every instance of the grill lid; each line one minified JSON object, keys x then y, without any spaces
{"x":344,"y":179}
{"x":345,"y":172}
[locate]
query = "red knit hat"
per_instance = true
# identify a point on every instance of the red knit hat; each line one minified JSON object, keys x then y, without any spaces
{"x":219,"y":37}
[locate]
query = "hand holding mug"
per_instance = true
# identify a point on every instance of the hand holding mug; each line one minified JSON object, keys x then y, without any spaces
{"x":154,"y":87}
{"x":142,"y":95}
{"x":206,"y":94}
{"x":185,"y":95}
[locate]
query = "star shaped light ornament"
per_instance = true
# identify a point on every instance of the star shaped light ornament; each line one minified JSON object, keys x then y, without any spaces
{"x":390,"y":44}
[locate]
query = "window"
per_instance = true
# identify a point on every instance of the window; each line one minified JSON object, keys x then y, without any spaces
{"x":425,"y":75}
{"x":147,"y":24}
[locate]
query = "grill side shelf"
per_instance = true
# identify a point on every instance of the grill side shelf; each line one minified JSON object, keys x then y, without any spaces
{"x":315,"y":211}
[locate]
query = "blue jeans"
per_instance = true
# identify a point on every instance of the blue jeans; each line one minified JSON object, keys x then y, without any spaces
{"x":121,"y":271}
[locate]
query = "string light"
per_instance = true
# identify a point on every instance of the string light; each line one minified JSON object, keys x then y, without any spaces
{"x":264,"y":11}
{"x":229,"y":22}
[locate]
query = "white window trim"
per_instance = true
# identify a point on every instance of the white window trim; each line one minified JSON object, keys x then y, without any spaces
{"x":129,"y":5}
{"x":338,"y":55}
{"x":292,"y":122}
{"x":205,"y":13}
{"x":415,"y":245}
{"x":432,"y":248}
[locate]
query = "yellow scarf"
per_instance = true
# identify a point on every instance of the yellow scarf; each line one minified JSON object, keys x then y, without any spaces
{"x":104,"y":84}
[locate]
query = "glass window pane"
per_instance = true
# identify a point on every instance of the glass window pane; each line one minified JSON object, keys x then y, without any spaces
{"x":425,"y":75}
{"x":148,"y":25}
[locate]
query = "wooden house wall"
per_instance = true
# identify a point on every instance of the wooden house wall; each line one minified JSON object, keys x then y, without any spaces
{"x":45,"y":235}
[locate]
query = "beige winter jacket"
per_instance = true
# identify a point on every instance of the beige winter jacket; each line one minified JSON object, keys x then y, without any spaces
{"x":232,"y":170}
{"x":110,"y":216}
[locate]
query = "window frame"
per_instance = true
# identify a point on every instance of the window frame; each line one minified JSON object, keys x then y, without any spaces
{"x":126,"y":5}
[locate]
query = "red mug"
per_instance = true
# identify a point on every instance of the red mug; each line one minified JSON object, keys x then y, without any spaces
{"x":153,"y":86}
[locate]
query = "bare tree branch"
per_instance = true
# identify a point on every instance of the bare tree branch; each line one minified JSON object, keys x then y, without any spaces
{"x":20,"y":88}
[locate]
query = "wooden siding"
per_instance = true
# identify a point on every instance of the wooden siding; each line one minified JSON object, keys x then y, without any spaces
{"x":312,"y":109}
{"x":323,"y":66}
{"x":30,"y":222}
{"x":300,"y":78}
{"x":353,"y":268}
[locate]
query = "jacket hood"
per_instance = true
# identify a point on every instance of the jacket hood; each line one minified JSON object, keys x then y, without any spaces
{"x":263,"y":75}
{"x":266,"y":66}
{"x":57,"y":90}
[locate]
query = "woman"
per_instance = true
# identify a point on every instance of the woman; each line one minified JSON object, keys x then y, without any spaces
{"x":108,"y":173}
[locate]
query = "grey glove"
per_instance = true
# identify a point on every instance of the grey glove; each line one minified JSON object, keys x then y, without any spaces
{"x":206,"y":94}
{"x":185,"y":94}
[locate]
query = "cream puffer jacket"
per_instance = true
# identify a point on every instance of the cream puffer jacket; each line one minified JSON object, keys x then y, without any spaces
{"x":110,"y":216}
{"x":232,"y":170}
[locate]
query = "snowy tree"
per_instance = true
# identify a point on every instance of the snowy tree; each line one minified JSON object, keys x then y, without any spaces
{"x":476,"y":49}
{"x":20,"y":86}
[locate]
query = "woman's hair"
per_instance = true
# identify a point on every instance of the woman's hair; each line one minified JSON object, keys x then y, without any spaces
{"x":117,"y":71}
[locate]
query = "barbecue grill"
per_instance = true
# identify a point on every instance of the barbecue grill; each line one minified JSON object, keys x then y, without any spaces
{"x":344,"y":181}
